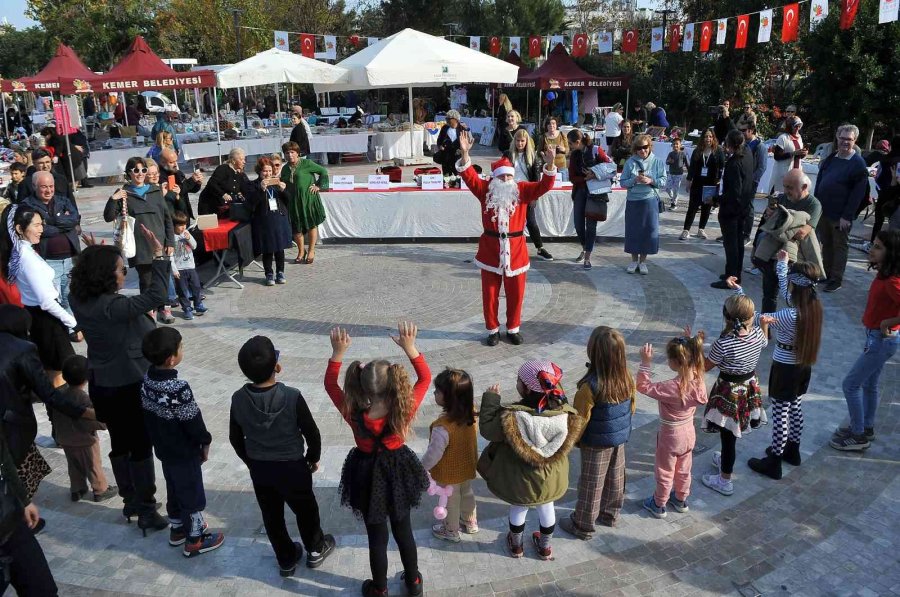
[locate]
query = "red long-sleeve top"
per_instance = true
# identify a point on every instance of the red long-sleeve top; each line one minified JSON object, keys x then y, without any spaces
{"x":376,"y":426}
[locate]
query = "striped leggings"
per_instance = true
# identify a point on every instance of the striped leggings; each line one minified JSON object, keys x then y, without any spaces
{"x":787,"y":423}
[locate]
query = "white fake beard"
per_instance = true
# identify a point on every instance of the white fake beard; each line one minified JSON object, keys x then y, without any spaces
{"x":502,"y":197}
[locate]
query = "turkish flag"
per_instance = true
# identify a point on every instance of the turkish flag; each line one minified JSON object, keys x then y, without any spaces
{"x":743,"y":25}
{"x":308,"y":45}
{"x":630,"y":40}
{"x":495,"y":46}
{"x":706,"y":30}
{"x":534,"y":46}
{"x":848,"y":12}
{"x":790,"y":22}
{"x":675,"y":37}
{"x":580,"y":45}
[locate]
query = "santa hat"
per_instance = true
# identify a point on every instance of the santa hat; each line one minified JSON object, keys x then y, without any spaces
{"x":502,"y":166}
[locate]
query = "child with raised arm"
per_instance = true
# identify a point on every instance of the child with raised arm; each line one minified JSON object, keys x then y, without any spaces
{"x":382,"y":479}
{"x":678,"y":398}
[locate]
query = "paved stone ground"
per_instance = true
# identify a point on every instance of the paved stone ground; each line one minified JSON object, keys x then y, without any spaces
{"x":827,"y":528}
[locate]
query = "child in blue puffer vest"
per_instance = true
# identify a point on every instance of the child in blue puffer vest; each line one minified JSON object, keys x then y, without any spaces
{"x":606,"y":399}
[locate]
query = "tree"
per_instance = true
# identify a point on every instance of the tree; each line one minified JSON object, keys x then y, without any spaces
{"x":99,"y":30}
{"x":23,"y":52}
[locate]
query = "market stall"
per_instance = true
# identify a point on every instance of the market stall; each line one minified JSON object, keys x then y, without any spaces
{"x":408,"y":212}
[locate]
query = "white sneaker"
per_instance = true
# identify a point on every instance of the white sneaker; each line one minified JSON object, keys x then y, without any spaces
{"x":643,"y":269}
{"x":717,"y":483}
{"x":632,"y":268}
{"x":702,"y":234}
{"x":753,"y":271}
{"x":717,"y":459}
{"x":684,"y":235}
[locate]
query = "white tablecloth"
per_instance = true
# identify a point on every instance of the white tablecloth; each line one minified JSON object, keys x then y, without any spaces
{"x":355,"y":143}
{"x":477,"y":125}
{"x":396,"y":144}
{"x":444,"y":214}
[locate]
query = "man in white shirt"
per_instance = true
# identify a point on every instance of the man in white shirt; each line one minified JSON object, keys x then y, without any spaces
{"x":613,"y":124}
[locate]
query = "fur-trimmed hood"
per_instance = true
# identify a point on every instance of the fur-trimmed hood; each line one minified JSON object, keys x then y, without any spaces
{"x":541,"y":439}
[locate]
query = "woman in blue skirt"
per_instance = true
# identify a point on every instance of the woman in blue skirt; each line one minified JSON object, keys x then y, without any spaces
{"x":643,"y":175}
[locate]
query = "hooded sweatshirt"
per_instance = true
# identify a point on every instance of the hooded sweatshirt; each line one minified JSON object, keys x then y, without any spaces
{"x":272,"y":423}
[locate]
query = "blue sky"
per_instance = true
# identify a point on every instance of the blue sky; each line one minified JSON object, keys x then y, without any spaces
{"x":14,"y":13}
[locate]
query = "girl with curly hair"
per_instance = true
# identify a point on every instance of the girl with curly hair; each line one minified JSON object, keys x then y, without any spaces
{"x":382,"y":479}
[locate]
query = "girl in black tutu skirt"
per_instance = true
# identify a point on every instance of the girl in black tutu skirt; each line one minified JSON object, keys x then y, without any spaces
{"x":382,"y":479}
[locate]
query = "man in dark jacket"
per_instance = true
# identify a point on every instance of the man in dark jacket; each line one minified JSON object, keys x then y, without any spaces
{"x":178,"y":197}
{"x":300,"y":133}
{"x":722,"y":123}
{"x":737,"y":199}
{"x":42,"y":161}
{"x":59,"y":241}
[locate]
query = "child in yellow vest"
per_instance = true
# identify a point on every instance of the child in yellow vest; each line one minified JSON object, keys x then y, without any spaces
{"x":453,"y":452}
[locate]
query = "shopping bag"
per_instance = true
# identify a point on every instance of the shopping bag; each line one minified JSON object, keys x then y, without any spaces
{"x":123,"y":236}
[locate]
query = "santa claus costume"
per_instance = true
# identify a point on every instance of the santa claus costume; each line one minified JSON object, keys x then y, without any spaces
{"x":502,"y":252}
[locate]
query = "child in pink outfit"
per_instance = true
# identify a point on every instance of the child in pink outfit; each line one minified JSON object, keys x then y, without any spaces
{"x":678,"y":399}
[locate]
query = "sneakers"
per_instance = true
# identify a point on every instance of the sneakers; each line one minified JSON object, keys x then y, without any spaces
{"x":642,"y":267}
{"x":369,"y":589}
{"x":672,"y":206}
{"x":587,"y":264}
{"x":541,"y":543}
{"x":568,"y":525}
{"x":702,"y":234}
{"x":685,"y":234}
{"x":832,"y":286}
{"x":515,"y":338}
{"x":188,"y":314}
{"x":289,"y":570}
{"x":632,"y":268}
{"x":77,"y":495}
{"x":851,"y":443}
{"x":178,"y":535}
{"x":580,"y":257}
{"x":110,"y":492}
{"x":468,"y":527}
{"x":442,"y":532}
{"x":164,"y":315}
{"x":544,"y":254}
{"x":314,"y":559}
{"x":206,"y":542}
{"x":679,"y":506}
{"x":717,"y":483}
{"x":280,"y":279}
{"x":414,"y":587}
{"x":753,"y":271}
{"x":869,"y":432}
{"x":514,"y":544}
{"x":651,"y":507}
{"x":493,"y":339}
{"x":200,"y":309}
{"x":270,"y":280}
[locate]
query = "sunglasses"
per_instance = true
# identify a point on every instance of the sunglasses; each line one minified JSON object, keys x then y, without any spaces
{"x":642,"y":147}
{"x":124,"y":270}
{"x":137,"y":170}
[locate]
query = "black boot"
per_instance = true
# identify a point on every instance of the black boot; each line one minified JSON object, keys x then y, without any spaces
{"x":121,"y":468}
{"x":791,"y":453}
{"x":769,"y":466}
{"x":144,"y":477}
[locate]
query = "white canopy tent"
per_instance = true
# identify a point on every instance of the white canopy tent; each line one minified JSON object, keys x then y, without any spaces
{"x":411,"y":58}
{"x":274,"y":66}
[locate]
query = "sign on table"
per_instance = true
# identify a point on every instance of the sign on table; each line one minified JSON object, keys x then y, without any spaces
{"x":379,"y":182}
{"x":432,"y":182}
{"x":343,"y":182}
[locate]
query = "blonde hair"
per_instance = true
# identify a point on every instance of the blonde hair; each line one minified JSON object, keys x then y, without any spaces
{"x":503,"y":100}
{"x":608,"y":367}
{"x":161,"y":138}
{"x":516,"y":114}
{"x":739,"y":312}
{"x":641,"y":139}
{"x":687,"y":355}
{"x":529,"y":152}
{"x":380,"y":381}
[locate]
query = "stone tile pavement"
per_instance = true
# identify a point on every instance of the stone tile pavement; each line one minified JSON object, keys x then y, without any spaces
{"x":825,"y":529}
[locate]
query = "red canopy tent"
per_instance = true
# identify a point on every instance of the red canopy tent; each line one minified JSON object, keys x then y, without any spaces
{"x":513,"y":58}
{"x":65,"y":63}
{"x":561,"y":72}
{"x":140,"y":70}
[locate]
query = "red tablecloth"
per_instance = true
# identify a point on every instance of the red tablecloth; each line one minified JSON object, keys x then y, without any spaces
{"x":216,"y":239}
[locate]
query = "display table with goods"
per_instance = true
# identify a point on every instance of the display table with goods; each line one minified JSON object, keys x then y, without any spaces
{"x":406,"y":211}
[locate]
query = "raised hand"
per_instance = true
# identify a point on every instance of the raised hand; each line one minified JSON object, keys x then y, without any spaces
{"x":782,"y":255}
{"x":494,"y":389}
{"x":686,"y":332}
{"x":766,"y":320}
{"x":340,"y":342}
{"x":155,"y":246}
{"x":90,"y":241}
{"x":549,"y":155}
{"x":406,"y":339}
{"x":646,"y":354}
{"x":466,"y":141}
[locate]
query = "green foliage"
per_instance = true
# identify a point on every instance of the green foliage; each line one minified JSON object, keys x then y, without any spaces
{"x":25,"y":52}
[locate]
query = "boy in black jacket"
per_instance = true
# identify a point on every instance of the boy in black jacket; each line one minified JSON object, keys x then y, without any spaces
{"x":180,"y":440}
{"x":269,"y":423}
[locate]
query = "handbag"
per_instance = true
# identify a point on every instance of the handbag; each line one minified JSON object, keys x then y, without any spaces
{"x":123,"y":236}
{"x":438,"y":156}
{"x":597,"y":207}
{"x":394,"y":173}
{"x":241,"y":211}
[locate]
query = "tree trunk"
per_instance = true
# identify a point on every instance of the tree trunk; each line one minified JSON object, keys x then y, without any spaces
{"x":869,"y":138}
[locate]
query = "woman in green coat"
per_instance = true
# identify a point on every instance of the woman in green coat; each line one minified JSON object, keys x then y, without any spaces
{"x":526,"y":463}
{"x":304,"y":179}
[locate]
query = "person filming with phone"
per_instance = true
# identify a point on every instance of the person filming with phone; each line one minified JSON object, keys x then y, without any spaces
{"x":271,"y":223}
{"x":178,"y":186}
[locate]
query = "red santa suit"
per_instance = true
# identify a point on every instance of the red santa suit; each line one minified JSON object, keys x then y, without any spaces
{"x":502,"y":252}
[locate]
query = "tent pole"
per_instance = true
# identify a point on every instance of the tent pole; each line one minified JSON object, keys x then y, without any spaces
{"x":627,"y":102}
{"x":64,"y":111}
{"x":125,"y":107}
{"x":216,"y":117}
{"x":412,"y":134}
{"x":3,"y":103}
{"x":277,"y":112}
{"x":540,"y":93}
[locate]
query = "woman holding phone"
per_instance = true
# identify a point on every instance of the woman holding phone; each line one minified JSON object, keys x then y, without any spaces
{"x":271,"y":224}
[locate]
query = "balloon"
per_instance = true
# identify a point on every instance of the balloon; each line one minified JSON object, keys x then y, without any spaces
{"x":551,"y":96}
